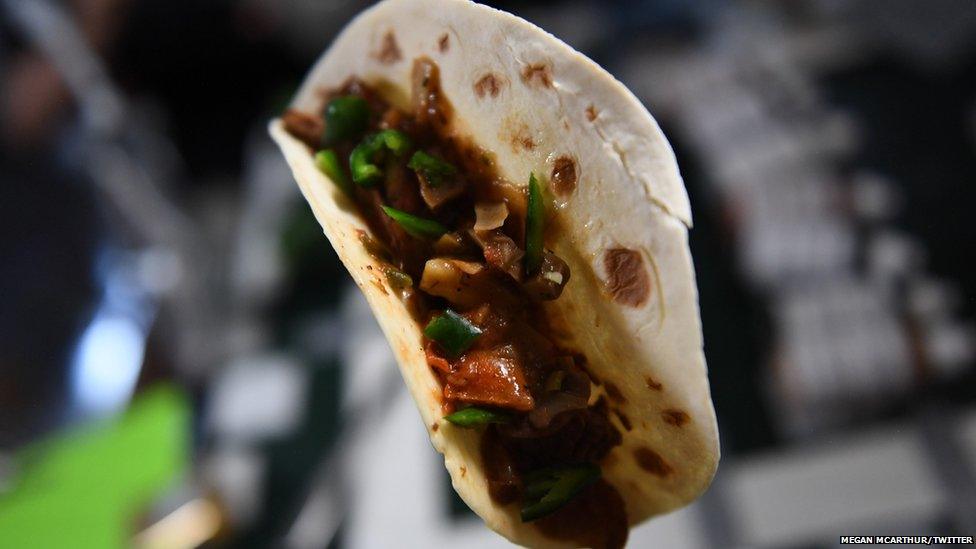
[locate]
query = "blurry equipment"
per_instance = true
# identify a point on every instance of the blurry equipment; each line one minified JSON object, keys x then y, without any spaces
{"x":153,"y":234}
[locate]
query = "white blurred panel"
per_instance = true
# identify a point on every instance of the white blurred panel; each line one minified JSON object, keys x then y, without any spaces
{"x":818,"y":493}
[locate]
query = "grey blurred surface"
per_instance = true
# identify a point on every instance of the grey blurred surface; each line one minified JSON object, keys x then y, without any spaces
{"x":153,"y":233}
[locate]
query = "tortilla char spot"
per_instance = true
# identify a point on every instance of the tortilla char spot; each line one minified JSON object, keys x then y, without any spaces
{"x":537,"y":74}
{"x":444,"y":43}
{"x":628,"y":281}
{"x":517,"y":133}
{"x":614,"y":393}
{"x":591,"y":113}
{"x":435,"y":427}
{"x":652,"y":462}
{"x":379,"y":286}
{"x":522,"y":140}
{"x":389,"y":50}
{"x":564,"y":175}
{"x":464,"y":471}
{"x":673,"y":416}
{"x":624,"y":420}
{"x":653,"y":385}
{"x":489,"y":84}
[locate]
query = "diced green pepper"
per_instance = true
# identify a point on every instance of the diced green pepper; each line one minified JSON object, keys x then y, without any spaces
{"x":364,"y":172}
{"x":345,"y":118}
{"x":418,"y":227}
{"x":546,"y":490}
{"x":534,"y":219}
{"x":453,"y":332}
{"x":476,"y":417}
{"x":327,"y":162}
{"x":398,"y":279}
{"x":394,"y":140}
{"x":434,"y":170}
{"x":364,"y":158}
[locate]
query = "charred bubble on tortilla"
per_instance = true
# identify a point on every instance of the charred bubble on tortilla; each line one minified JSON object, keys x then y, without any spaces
{"x":627,"y":278}
{"x":563,"y":175}
{"x":489,"y":84}
{"x":652,"y":462}
{"x":389,"y":52}
{"x":675,"y":417}
{"x":467,"y":249}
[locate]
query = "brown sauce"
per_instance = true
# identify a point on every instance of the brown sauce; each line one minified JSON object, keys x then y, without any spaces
{"x":515,"y":357}
{"x":596,"y":518}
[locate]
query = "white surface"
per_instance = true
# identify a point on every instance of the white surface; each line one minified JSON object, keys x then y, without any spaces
{"x":258,"y":397}
{"x":845,"y":487}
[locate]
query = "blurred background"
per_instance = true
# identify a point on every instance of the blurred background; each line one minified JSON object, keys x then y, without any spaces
{"x":184,"y":362}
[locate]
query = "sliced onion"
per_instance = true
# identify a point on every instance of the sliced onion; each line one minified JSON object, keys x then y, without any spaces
{"x":490,"y":215}
{"x":452,"y":280}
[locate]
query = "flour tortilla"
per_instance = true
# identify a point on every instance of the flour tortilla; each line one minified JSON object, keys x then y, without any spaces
{"x":545,"y":101}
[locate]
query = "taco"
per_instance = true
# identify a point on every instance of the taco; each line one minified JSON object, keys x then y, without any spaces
{"x":517,"y":222}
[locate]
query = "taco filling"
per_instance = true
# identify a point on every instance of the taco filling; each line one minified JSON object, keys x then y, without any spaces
{"x":466,"y":250}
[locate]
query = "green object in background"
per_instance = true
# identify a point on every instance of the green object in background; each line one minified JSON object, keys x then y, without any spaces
{"x":87,"y":487}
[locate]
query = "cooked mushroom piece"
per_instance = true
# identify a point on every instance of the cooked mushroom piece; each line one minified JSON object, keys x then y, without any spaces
{"x":501,"y":252}
{"x":548,"y":283}
{"x":490,"y":215}
{"x":437,"y":195}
